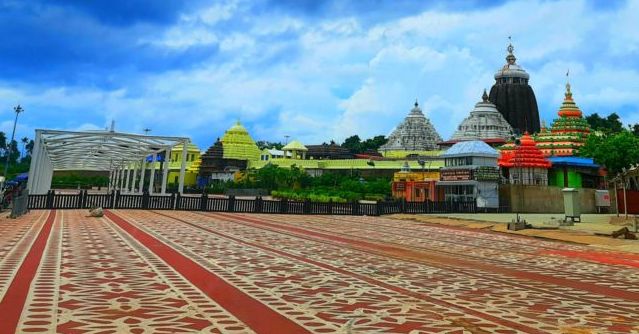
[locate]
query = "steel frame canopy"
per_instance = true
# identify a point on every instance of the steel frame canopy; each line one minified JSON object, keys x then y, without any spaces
{"x":116,"y":152}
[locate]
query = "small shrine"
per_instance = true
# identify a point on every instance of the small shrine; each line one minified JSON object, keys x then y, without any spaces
{"x":567,"y":133}
{"x":524,"y":163}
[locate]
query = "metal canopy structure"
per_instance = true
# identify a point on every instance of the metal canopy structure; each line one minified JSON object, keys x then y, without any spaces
{"x":121,"y":154}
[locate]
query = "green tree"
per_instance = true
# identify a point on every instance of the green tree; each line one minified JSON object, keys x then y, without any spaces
{"x":608,"y":125}
{"x":615,"y":151}
{"x":353,"y":144}
{"x":24,"y":141}
{"x":374,"y":143}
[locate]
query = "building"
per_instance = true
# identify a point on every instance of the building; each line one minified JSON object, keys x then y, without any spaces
{"x":484,"y":123}
{"x":295,"y":150}
{"x":193,"y":161}
{"x":514,"y":97}
{"x":228,"y":155}
{"x":524,"y":163}
{"x":414,"y":135}
{"x":576,"y":172}
{"x":567,"y":133}
{"x":471,"y":174}
{"x":415,"y":186}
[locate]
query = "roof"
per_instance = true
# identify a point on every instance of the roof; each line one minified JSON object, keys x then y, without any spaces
{"x":294,"y":145}
{"x":190,"y":148}
{"x":574,"y":161}
{"x":471,"y":148}
{"x":99,"y":150}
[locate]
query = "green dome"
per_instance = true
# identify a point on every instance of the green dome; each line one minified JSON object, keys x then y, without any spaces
{"x":294,"y":145}
{"x":238,"y":144}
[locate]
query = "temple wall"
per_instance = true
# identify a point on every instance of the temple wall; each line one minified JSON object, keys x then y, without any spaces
{"x":536,"y":199}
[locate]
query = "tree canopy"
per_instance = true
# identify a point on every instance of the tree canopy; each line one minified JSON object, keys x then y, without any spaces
{"x":608,"y":125}
{"x":615,"y":151}
{"x":355,"y":145}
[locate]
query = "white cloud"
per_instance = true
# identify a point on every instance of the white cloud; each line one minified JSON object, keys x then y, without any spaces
{"x":317,"y":81}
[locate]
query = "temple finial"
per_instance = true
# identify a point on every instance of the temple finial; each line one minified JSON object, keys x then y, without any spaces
{"x":416,"y":103}
{"x":510,"y":58}
{"x":484,"y":97}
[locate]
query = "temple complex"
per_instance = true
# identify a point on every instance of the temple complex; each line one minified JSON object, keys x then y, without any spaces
{"x":414,"y":134}
{"x":567,"y":133}
{"x":513,"y":97}
{"x":328,"y":151}
{"x":524,"y":163}
{"x":484,"y":123}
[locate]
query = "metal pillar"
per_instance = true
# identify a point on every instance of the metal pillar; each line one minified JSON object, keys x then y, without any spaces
{"x":126,"y":178}
{"x":142,"y":170}
{"x":135,"y":173}
{"x":165,"y":169}
{"x":152,"y":177}
{"x":182,"y":168}
{"x":121,"y":179}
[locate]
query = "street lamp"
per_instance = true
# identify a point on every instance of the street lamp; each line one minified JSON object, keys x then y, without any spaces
{"x":18,"y":110}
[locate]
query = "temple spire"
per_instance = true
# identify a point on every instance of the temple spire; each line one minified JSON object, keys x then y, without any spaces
{"x":484,"y":97}
{"x":568,"y":92}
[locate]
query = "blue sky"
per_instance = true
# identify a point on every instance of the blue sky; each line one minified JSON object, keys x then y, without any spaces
{"x":313,"y":70}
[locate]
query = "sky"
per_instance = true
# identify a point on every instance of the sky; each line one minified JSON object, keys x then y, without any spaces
{"x":312,"y":70}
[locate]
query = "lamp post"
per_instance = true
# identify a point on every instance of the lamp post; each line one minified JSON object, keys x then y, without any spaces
{"x":18,"y":110}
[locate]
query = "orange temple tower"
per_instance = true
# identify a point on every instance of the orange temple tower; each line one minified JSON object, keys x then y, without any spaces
{"x":525,"y":163}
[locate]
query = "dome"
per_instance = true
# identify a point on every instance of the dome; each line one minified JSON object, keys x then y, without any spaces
{"x":238,"y":144}
{"x":511,"y":69}
{"x":415,"y":133}
{"x":484,"y":122}
{"x":295,"y":145}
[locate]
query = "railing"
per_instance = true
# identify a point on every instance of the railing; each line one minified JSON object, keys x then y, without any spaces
{"x":116,"y":200}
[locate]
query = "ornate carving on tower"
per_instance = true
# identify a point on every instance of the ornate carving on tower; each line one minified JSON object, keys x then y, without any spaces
{"x":415,"y":133}
{"x":513,"y":97}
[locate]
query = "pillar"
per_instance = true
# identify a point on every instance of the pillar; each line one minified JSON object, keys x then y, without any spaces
{"x":152,"y":178}
{"x":133,"y":178}
{"x":625,"y":202}
{"x":182,"y":168}
{"x":142,"y":170}
{"x":126,"y":178}
{"x":165,"y":169}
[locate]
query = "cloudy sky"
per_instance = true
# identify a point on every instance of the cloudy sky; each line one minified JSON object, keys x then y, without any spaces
{"x":310,"y":69}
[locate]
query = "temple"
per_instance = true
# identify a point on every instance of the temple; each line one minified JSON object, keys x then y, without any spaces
{"x":524,"y":163}
{"x":567,"y":133}
{"x":228,"y":155}
{"x":414,"y":134}
{"x":513,"y":97}
{"x":484,"y":123}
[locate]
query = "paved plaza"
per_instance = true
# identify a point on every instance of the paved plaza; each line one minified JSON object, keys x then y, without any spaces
{"x":180,"y":272}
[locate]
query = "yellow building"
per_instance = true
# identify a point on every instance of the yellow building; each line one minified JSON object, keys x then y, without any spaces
{"x":193,"y":161}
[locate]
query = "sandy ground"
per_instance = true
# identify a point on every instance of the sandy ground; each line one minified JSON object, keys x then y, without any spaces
{"x":594,"y":230}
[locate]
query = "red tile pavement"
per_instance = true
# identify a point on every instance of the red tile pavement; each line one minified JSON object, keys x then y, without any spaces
{"x":151,"y":271}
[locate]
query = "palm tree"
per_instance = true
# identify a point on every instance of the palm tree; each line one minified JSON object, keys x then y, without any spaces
{"x":24,"y":141}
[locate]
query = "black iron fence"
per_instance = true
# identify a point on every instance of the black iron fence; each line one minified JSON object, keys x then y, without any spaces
{"x":117,"y":200}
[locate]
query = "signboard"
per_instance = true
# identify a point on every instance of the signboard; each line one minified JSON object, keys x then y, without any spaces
{"x":456,"y":175}
{"x":602,"y":198}
{"x":486,"y":173}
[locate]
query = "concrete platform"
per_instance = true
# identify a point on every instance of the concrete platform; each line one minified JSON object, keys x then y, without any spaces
{"x":169,"y":271}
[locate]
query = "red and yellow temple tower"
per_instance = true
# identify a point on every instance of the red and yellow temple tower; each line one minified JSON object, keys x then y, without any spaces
{"x":567,"y":133}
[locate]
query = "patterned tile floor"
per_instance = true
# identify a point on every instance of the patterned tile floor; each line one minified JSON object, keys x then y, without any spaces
{"x":192,"y":272}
